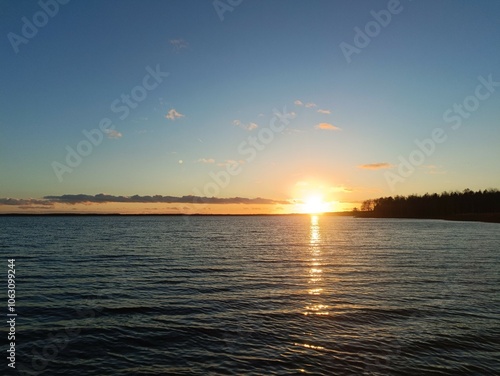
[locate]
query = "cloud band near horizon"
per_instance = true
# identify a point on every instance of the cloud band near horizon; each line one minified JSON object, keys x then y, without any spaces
{"x":101,"y":198}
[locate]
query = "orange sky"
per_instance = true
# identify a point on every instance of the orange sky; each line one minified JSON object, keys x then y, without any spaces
{"x":163,"y":208}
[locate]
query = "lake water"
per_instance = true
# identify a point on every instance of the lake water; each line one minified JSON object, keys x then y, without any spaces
{"x":277,"y":295}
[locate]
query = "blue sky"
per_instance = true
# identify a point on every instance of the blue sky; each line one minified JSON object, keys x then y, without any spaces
{"x":226,"y":77}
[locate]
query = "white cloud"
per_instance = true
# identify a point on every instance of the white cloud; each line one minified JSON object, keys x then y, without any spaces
{"x":206,"y":160}
{"x":113,"y":134}
{"x":298,"y":103}
{"x":247,"y":127}
{"x":173,"y":114}
{"x":230,"y":162}
{"x":310,"y":105}
{"x":324,"y":111}
{"x":178,"y":44}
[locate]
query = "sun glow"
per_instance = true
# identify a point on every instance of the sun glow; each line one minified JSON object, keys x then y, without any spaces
{"x":315,"y":205}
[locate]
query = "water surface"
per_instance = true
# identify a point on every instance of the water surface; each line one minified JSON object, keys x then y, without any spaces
{"x":280,"y":295}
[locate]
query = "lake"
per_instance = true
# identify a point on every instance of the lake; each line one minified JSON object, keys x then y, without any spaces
{"x":253,"y":295}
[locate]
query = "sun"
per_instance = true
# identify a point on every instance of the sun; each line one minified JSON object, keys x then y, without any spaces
{"x":314,"y":204}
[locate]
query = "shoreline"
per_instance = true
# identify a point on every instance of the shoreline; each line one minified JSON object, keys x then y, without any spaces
{"x":339,"y":214}
{"x":466,"y":217}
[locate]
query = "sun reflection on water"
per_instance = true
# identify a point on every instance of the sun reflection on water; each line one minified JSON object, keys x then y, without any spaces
{"x":315,"y":306}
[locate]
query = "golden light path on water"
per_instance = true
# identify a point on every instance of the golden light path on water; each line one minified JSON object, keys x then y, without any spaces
{"x":315,"y":306}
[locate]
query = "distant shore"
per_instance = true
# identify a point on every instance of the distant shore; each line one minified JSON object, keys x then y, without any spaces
{"x":473,"y":217}
{"x":63,"y":214}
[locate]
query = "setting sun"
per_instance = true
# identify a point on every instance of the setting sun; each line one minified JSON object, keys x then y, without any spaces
{"x":315,"y":205}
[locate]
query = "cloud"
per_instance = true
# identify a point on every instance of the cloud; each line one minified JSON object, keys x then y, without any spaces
{"x":376,"y":166}
{"x":206,"y":160}
{"x":104,"y":198}
{"x":31,"y":207}
{"x":178,"y":44}
{"x":230,"y":162}
{"x":24,"y":202}
{"x":173,"y":114}
{"x":101,"y":198}
{"x":247,"y":127}
{"x":327,"y":112}
{"x":432,"y":169}
{"x":308,"y":105}
{"x":113,"y":134}
{"x":340,"y":189}
{"x":293,"y":131}
{"x":327,"y":127}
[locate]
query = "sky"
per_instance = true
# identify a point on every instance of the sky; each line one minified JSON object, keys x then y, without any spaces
{"x":239,"y":106}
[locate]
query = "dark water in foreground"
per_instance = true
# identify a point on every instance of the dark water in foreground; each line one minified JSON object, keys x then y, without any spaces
{"x":253,"y":296}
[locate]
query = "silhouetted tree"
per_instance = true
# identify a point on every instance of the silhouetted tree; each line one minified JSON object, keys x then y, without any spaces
{"x":435,"y":205}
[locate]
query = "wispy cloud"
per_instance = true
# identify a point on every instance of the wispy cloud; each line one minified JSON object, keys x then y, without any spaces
{"x":230,"y":162}
{"x":111,"y":133}
{"x":310,"y":105}
{"x":247,"y":127}
{"x":173,"y":114}
{"x":327,"y":127}
{"x":206,"y":160}
{"x":433,"y":169}
{"x":298,"y":103}
{"x":342,"y":189}
{"x":178,"y":44}
{"x":327,"y":112}
{"x":252,"y":126}
{"x":376,"y":166}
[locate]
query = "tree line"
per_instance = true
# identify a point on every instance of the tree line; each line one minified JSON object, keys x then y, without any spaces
{"x":434,"y":205}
